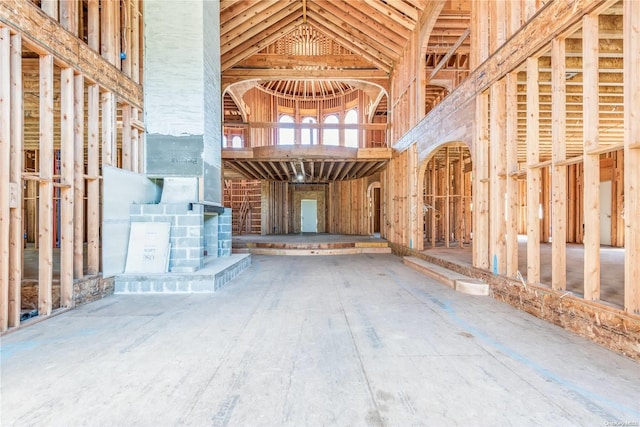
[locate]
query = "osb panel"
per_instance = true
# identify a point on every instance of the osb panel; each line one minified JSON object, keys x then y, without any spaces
{"x":607,"y":326}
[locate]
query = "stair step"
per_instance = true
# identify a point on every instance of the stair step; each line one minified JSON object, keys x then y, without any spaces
{"x":454,"y":280}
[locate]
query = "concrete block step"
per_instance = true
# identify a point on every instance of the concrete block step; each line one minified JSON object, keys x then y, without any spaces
{"x":454,"y":280}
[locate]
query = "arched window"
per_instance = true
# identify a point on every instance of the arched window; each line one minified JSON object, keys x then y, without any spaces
{"x":224,"y":140}
{"x":351,"y":135}
{"x":236,"y":142}
{"x":309,"y":136}
{"x":331,"y":136}
{"x":286,"y":135}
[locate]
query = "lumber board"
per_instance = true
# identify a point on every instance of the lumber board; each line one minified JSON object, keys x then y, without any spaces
{"x":5,"y":165}
{"x":67,"y":145}
{"x":44,"y":35}
{"x":45,"y":201}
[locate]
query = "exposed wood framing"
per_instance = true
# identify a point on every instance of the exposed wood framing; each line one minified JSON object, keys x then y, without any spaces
{"x":16,"y":240}
{"x":45,"y":36}
{"x":5,"y":167}
{"x":67,"y":144}
{"x":45,"y":188}
{"x":481,"y":183}
{"x":632,"y":156}
{"x":591,"y":188}
{"x":78,"y":177}
{"x":534,"y":174}
{"x":511,"y":163}
{"x":498,"y":177}
{"x":559,"y":171}
{"x":93,"y":180}
{"x":108,"y":110}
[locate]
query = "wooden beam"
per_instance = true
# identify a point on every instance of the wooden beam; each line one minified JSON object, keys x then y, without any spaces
{"x":107,"y":32}
{"x":67,"y":158}
{"x":78,"y":177}
{"x":50,"y":7}
{"x":451,"y":51}
{"x":591,"y":165}
{"x":93,"y":184}
{"x":16,"y":240}
{"x":498,"y":162}
{"x":480,"y":184}
{"x":511,"y":163}
{"x":534,"y":175}
{"x":632,"y":156}
{"x":93,"y":24}
{"x":45,"y":201}
{"x":44,"y":36}
{"x":69,"y":14}
{"x":108,"y":129}
{"x":126,"y":138}
{"x":558,"y":172}
{"x":5,"y":176}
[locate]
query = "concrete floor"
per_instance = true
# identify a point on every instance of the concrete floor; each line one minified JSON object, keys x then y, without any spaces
{"x":357,"y":340}
{"x":611,"y":266}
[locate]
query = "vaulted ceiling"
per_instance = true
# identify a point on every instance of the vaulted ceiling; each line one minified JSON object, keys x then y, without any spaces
{"x":336,"y":44}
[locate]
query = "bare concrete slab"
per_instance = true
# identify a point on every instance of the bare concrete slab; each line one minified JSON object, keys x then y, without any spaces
{"x":354,"y":340}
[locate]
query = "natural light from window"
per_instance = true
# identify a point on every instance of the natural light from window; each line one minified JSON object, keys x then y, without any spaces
{"x":331,"y":136}
{"x":351,"y":135}
{"x":286,"y":136}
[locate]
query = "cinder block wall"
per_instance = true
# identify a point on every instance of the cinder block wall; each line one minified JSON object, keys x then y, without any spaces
{"x":211,"y":234}
{"x":224,"y":233}
{"x":186,"y":238}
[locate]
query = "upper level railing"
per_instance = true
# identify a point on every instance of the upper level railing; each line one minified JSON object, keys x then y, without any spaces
{"x":260,"y":134}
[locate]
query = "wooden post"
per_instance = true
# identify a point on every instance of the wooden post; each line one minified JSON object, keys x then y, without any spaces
{"x":511,"y":164}
{"x":16,"y":240}
{"x":498,"y":173}
{"x":460,"y":192}
{"x":67,"y":144}
{"x":126,"y":137}
{"x":117,"y":33}
{"x":559,"y":171}
{"x":135,"y":41}
{"x":108,"y":129}
{"x":107,"y":30}
{"x":135,"y":143}
{"x":481,"y":184}
{"x":533,"y":173}
{"x":93,"y":180}
{"x":45,"y":204}
{"x":447,"y":198}
{"x":415,"y":235}
{"x":591,"y":192}
{"x":50,"y":7}
{"x":5,"y":176}
{"x":632,"y":156}
{"x":93,"y":24}
{"x":78,"y":178}
{"x":434,"y":221}
{"x":69,"y":15}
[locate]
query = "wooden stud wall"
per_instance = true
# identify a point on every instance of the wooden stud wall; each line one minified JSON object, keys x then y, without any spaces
{"x":53,"y":142}
{"x":244,"y":198}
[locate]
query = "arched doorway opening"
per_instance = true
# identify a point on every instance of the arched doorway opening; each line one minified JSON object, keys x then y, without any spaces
{"x":447,"y":202}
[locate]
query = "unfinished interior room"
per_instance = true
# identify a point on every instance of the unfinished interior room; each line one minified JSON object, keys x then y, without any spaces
{"x":320,"y":212}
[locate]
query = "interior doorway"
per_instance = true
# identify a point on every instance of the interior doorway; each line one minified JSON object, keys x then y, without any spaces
{"x":309,"y":216}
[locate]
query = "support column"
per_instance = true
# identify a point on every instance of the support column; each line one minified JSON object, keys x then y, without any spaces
{"x":498,"y":161}
{"x":45,"y":201}
{"x":591,"y":192}
{"x":16,"y":240}
{"x":533,"y":172}
{"x":632,"y":156}
{"x":511,"y":159}
{"x":558,"y":168}
{"x":126,"y":137}
{"x":5,"y":167}
{"x":93,"y":180}
{"x":108,"y":129}
{"x":78,"y":177}
{"x":481,"y":184}
{"x":67,"y":144}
